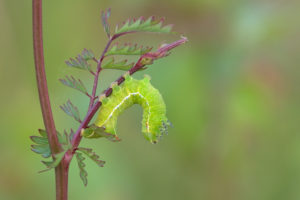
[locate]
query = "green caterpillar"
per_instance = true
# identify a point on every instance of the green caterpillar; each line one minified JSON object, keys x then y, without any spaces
{"x":132,"y":91}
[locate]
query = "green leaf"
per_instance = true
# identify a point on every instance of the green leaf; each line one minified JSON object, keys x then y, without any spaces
{"x":44,"y":150}
{"x":52,"y":164}
{"x":121,"y":65}
{"x":142,"y":25}
{"x":87,"y":54}
{"x":43,"y":133}
{"x":79,"y":62}
{"x":81,"y":165}
{"x":71,"y":110}
{"x":104,"y":16}
{"x":128,"y":49}
{"x":92,"y":155}
{"x":39,"y":140}
{"x":75,"y":84}
{"x":64,"y":140}
{"x":42,"y":147}
{"x":71,"y":135}
{"x":96,"y":132}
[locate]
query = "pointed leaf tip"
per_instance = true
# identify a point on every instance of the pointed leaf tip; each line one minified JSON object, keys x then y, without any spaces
{"x":87,"y":54}
{"x":43,"y":133}
{"x":104,"y":18}
{"x":71,"y":110}
{"x":80,"y":62}
{"x":75,"y":84}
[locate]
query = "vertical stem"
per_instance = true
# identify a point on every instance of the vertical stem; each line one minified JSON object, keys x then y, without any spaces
{"x":41,"y":76}
{"x":61,"y":171}
{"x":61,"y":180}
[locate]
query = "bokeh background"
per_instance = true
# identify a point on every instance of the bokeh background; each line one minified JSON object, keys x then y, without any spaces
{"x":232,"y":94}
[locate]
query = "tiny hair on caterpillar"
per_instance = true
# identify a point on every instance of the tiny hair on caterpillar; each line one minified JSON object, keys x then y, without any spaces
{"x":130,"y":92}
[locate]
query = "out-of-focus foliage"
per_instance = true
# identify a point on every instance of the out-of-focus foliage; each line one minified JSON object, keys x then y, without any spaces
{"x":232,"y":93}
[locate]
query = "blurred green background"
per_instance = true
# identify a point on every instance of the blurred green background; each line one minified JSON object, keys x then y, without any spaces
{"x":232,"y":94}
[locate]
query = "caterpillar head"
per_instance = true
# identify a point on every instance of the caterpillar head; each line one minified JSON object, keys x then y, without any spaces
{"x":156,"y":131}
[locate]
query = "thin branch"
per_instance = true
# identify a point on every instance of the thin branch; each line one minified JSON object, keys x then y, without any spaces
{"x":94,"y":59}
{"x":92,"y":100}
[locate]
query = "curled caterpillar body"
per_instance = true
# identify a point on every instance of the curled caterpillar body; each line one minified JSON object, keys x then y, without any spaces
{"x":133,"y":91}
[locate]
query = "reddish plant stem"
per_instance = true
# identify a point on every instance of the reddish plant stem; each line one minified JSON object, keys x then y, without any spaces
{"x":41,"y":76}
{"x":99,"y":68}
{"x":61,"y":180}
{"x":61,"y":171}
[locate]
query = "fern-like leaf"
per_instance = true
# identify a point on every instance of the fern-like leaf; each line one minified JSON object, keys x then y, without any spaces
{"x":104,"y":16}
{"x":141,"y":25}
{"x":128,"y":49}
{"x":80,"y":61}
{"x":87,"y":54}
{"x":71,"y":110}
{"x":81,"y":165}
{"x":75,"y":84}
{"x":41,"y":145}
{"x":52,"y":164}
{"x":44,"y":150}
{"x":121,"y":65}
{"x":92,"y":155}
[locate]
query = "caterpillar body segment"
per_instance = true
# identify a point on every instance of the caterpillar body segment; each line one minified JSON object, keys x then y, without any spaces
{"x":131,"y":92}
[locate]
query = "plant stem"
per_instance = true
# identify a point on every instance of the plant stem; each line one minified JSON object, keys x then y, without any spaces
{"x":92,"y":99}
{"x":92,"y":108}
{"x":41,"y":76}
{"x":61,"y":171}
{"x":61,"y":180}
